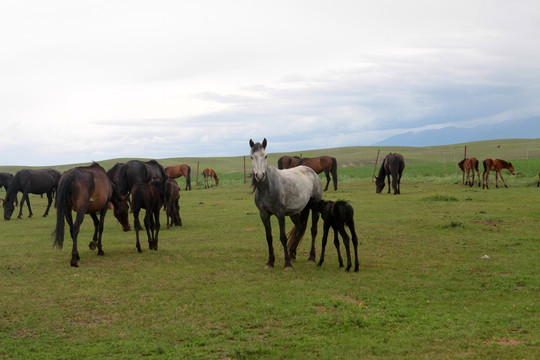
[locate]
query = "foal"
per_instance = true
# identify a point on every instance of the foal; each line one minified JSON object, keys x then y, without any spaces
{"x":337,"y":215}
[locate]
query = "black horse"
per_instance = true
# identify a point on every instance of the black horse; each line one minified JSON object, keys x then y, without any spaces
{"x":136,"y":171}
{"x":5,"y":180}
{"x":27,"y":181}
{"x":151,"y":197}
{"x":393,"y":164}
{"x":336,"y":215}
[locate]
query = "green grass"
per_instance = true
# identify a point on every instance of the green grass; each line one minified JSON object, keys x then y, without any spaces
{"x":446,"y":271}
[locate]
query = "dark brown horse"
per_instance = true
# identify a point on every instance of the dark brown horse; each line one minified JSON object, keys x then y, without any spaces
{"x":319,"y":164}
{"x":151,"y":197}
{"x":172,"y":205}
{"x":86,"y":190}
{"x":496,"y":165}
{"x":287,"y":162}
{"x":468,"y":165}
{"x":27,"y":181}
{"x":136,"y":171}
{"x":392,"y":165}
{"x":5,"y":180}
{"x":538,"y":183}
{"x":177,"y":171}
{"x":209,"y":173}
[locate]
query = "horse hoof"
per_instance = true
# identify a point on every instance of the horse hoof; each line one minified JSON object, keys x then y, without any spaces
{"x":101,"y":253}
{"x":92,"y":245}
{"x":288,"y":267}
{"x":269,"y":266}
{"x":74,"y":263}
{"x":355,"y":269}
{"x":311,"y":261}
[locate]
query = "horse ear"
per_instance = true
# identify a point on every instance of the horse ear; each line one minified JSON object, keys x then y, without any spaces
{"x":264,"y":143}
{"x":251,"y":143}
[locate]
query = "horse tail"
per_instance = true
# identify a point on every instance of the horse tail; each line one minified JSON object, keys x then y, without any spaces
{"x":62,"y":193}
{"x":188,"y":178}
{"x":293,"y":233}
{"x":476,"y":164}
{"x":334,"y":172}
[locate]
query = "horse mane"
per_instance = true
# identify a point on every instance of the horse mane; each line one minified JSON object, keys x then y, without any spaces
{"x":382,"y":170}
{"x":504,"y":162}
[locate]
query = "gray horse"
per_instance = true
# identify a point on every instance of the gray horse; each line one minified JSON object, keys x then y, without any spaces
{"x":281,"y":193}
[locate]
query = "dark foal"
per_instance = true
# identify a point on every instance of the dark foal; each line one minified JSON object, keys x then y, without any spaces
{"x":336,"y":215}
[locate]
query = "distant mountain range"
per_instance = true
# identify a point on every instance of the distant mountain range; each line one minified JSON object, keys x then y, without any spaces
{"x":512,"y":129}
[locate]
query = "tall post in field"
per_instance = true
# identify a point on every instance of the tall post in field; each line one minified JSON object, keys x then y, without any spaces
{"x":197,"y":173}
{"x":376,"y":162}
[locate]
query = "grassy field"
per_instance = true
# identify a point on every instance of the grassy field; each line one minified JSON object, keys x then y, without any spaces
{"x":446,"y":271}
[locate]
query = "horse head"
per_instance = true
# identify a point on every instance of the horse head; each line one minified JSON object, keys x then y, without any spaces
{"x":379,"y":183}
{"x":511,"y":168}
{"x":258,"y":160}
{"x":121,"y":208}
{"x":8,"y":208}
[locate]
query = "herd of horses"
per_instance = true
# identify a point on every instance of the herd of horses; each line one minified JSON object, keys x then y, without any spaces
{"x":293,"y":189}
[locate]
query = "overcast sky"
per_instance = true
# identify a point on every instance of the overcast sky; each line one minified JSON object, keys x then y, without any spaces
{"x":95,"y":80}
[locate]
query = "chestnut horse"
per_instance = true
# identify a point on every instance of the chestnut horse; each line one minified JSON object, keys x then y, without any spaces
{"x":319,"y":164}
{"x":287,"y":162}
{"x":496,"y":165}
{"x":177,"y":171}
{"x":468,"y":165}
{"x":86,"y":190}
{"x":209,"y":173}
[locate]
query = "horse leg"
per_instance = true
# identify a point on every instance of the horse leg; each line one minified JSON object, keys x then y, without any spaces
{"x":326,"y":227}
{"x":101,"y":225}
{"x":177,"y":214}
{"x":354,"y":238}
{"x":336,"y":244}
{"x":314,"y":222}
{"x":334,"y":178}
{"x":94,"y":241}
{"x":485,"y":181}
{"x":345,"y":237}
{"x":389,"y":183}
{"x":138,"y":227}
{"x":157,"y":225}
{"x":504,"y":182}
{"x":74,"y":234}
{"x":23,"y":199}
{"x":283,"y":239}
{"x":265,"y":218}
{"x":149,"y":229}
{"x":327,"y":179}
{"x":497,"y":179}
{"x":49,"y":199}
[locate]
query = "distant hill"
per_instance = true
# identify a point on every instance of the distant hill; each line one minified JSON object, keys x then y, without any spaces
{"x":515,"y":129}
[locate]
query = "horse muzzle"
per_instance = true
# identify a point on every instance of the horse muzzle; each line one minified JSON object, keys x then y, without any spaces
{"x":260,"y":177}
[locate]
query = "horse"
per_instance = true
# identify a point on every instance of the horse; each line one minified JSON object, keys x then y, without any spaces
{"x":151,"y":197}
{"x":86,"y":190}
{"x":287,"y":192}
{"x":319,"y":164}
{"x":172,"y":206}
{"x":468,"y":165}
{"x":336,"y":215}
{"x":497,"y":165}
{"x":112,"y":173}
{"x":209,"y":173}
{"x":392,"y":165}
{"x":43,"y":181}
{"x":177,"y":171}
{"x":136,"y":171}
{"x":287,"y":162}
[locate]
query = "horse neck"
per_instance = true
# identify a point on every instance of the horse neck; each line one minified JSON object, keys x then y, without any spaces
{"x":382,"y":170}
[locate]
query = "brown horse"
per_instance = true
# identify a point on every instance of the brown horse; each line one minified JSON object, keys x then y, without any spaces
{"x":172,"y":206}
{"x":86,"y":190}
{"x":177,"y":171}
{"x":468,"y":165}
{"x":497,"y":165}
{"x":209,"y":173}
{"x":319,"y":164}
{"x":287,"y":162}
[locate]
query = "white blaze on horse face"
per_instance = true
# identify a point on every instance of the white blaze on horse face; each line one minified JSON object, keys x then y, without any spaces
{"x":259,"y":164}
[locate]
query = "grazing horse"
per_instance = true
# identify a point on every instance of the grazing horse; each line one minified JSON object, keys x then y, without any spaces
{"x":172,"y":206}
{"x":287,"y":162}
{"x":336,"y":215}
{"x":42,"y":181}
{"x":209,"y":173}
{"x":392,"y":165}
{"x":151,"y":197}
{"x":86,"y":190}
{"x":538,"y":183}
{"x":112,"y":173}
{"x":496,"y":165}
{"x":288,"y":192}
{"x":136,"y":171}
{"x":468,"y":165}
{"x":319,"y":164}
{"x":177,"y":171}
